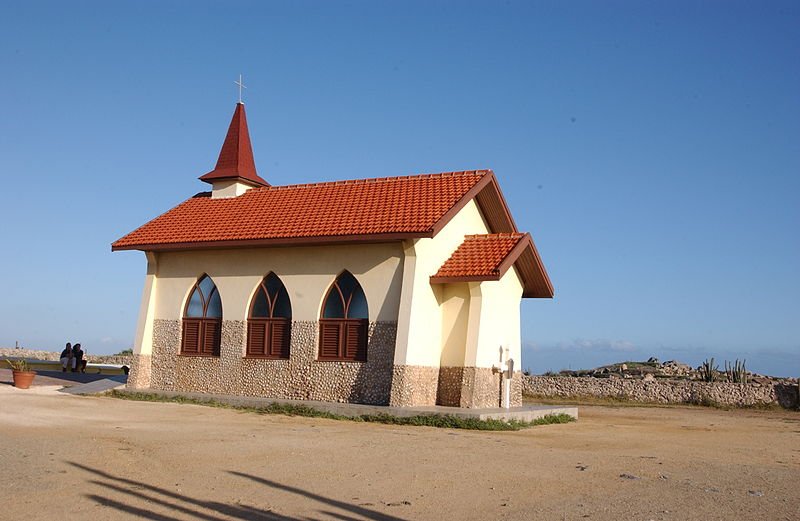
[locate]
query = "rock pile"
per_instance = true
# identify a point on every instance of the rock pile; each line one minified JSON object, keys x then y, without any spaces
{"x":654,"y":369}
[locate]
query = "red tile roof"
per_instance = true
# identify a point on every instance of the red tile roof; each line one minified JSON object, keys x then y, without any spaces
{"x":236,"y":157}
{"x":342,"y":211}
{"x":490,"y":256}
{"x":480,"y":255}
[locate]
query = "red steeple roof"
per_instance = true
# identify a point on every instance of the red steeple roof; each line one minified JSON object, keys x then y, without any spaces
{"x":236,"y":157}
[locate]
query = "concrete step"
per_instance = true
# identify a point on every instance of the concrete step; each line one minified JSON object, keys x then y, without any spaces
{"x":98,"y":386}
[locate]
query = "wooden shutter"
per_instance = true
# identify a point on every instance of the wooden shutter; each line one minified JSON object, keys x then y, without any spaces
{"x":329,"y":339}
{"x":355,"y":341}
{"x":279,"y":338}
{"x":191,"y":336}
{"x":210,"y":337}
{"x":256,"y":337}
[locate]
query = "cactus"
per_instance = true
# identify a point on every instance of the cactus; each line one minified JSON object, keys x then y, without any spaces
{"x":708,"y":370}
{"x":736,"y":372}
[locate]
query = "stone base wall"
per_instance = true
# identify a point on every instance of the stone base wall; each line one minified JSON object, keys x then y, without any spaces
{"x":475,"y":387}
{"x":300,"y":377}
{"x":480,"y":388}
{"x":139,"y":375}
{"x":660,"y":391}
{"x":449,"y":387}
{"x":516,"y":389}
{"x":414,"y":385}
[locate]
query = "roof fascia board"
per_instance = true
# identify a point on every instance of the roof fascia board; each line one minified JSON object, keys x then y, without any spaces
{"x":489,"y":181}
{"x":514,"y":254}
{"x":285,"y":241}
{"x":540,"y":267}
{"x":233,"y":177}
{"x":503,"y":203}
{"x":469,"y":278}
{"x":461,"y":203}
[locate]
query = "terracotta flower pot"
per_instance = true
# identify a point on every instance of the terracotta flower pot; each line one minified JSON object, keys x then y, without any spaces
{"x":23,"y":379}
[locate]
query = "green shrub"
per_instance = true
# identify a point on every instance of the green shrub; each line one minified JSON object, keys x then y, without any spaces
{"x":736,"y":372}
{"x":708,"y":370}
{"x":19,"y":364}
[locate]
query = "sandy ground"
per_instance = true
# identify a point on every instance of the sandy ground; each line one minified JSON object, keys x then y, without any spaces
{"x":68,"y":457}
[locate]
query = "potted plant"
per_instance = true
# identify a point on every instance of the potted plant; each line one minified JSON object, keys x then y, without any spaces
{"x":23,"y":375}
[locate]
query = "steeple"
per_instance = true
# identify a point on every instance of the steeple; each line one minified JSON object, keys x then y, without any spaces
{"x":235,"y":165}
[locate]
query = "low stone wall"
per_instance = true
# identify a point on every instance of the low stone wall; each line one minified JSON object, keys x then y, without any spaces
{"x":36,"y":354}
{"x":663,"y":391}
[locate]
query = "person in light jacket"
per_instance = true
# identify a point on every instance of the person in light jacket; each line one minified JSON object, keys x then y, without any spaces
{"x":66,"y":359}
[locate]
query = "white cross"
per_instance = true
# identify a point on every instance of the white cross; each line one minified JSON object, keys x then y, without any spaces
{"x":241,"y":86}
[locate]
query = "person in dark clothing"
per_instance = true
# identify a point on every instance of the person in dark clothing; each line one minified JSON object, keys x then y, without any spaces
{"x":79,"y":364}
{"x":66,"y":358}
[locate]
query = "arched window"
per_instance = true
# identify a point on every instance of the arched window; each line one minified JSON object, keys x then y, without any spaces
{"x":202,"y":320}
{"x":343,"y":325}
{"x":269,"y":321}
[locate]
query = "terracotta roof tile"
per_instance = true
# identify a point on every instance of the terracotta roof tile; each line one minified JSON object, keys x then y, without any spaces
{"x":363,"y":208}
{"x":480,"y":255}
{"x":490,"y":256}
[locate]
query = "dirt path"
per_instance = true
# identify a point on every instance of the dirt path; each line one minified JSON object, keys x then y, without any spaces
{"x":67,"y":457}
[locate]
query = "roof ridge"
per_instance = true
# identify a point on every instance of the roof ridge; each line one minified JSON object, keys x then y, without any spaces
{"x":501,"y":235}
{"x":368,"y":180}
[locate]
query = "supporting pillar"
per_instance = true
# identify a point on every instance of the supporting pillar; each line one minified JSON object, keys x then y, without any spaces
{"x":139,"y":377}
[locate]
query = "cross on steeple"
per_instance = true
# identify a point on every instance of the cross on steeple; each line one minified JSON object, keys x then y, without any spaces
{"x":241,"y":86}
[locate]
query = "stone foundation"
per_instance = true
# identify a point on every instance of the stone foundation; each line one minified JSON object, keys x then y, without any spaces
{"x":448,"y":391}
{"x":475,"y":387}
{"x":139,"y":375}
{"x":517,"y":384}
{"x":413,"y":385}
{"x":480,"y":388}
{"x":664,"y":391}
{"x":300,"y":377}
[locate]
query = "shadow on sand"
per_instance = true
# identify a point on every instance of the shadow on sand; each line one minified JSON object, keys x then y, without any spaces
{"x":147,"y":496}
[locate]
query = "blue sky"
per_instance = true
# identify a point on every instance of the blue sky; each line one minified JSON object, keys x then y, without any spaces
{"x":652,"y":148}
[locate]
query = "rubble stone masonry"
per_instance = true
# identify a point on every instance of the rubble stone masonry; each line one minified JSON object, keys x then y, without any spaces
{"x":300,"y":377}
{"x":474,"y":387}
{"x":414,"y":385}
{"x":784,"y":394}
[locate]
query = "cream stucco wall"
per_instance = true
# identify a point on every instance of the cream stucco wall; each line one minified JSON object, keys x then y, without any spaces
{"x":480,"y":317}
{"x":143,"y":343}
{"x":499,"y":321}
{"x":307,"y":272}
{"x":228,"y":188}
{"x":419,"y":326}
{"x":455,"y":323}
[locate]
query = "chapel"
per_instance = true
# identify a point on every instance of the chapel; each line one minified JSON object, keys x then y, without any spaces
{"x":400,"y":291}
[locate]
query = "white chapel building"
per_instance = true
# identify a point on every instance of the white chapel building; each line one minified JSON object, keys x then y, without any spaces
{"x":399,"y":291}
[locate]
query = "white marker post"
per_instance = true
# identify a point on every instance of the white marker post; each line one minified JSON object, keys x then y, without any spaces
{"x":506,"y":370}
